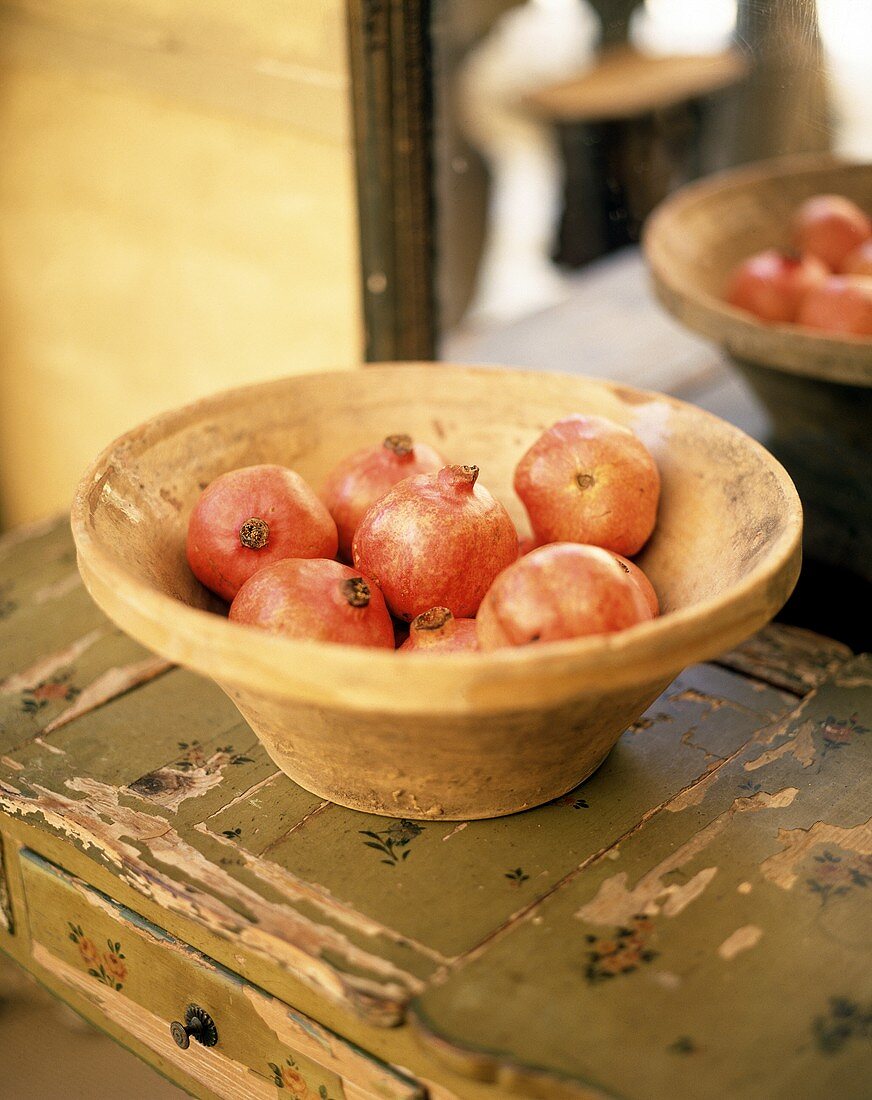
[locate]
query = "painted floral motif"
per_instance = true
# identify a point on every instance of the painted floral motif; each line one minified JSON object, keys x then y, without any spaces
{"x":845,"y":1020}
{"x":108,"y":966}
{"x":832,"y":876}
{"x":288,"y":1076}
{"x":194,"y":757}
{"x":392,"y":842}
{"x":621,"y":953}
{"x":232,"y":834}
{"x":574,"y":801}
{"x":58,"y":688}
{"x":838,"y":732}
{"x":516,"y":877}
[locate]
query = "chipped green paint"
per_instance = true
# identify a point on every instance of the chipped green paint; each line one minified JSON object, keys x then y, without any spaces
{"x":719,"y":857}
{"x":729,"y":867}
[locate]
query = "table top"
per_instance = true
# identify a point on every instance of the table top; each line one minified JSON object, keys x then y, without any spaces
{"x":693,"y":920}
{"x":625,"y":83}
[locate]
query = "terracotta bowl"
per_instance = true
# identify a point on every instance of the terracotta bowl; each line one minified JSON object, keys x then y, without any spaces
{"x":697,"y":236}
{"x":428,"y":736}
{"x":817,"y":389}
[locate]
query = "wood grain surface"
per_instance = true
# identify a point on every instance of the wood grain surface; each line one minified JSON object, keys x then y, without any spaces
{"x":626,"y":84}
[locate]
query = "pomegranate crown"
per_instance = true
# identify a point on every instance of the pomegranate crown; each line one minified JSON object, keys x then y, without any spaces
{"x":458,"y":477}
{"x":400,"y":444}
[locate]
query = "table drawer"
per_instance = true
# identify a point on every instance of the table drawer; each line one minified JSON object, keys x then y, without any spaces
{"x":144,"y":979}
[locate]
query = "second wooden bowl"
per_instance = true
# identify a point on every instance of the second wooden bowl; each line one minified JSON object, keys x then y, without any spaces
{"x":456,"y":736}
{"x":696,"y":237}
{"x":817,"y":388}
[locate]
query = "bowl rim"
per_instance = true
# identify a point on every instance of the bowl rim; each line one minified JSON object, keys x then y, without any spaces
{"x":788,"y":348}
{"x":352,"y":678}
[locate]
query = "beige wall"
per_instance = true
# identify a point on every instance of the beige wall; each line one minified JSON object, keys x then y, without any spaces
{"x":176,"y":216}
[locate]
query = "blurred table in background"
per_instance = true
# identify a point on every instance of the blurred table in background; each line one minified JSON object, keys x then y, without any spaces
{"x":632,"y":129}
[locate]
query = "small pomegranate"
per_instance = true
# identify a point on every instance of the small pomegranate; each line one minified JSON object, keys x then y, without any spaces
{"x":251,"y":517}
{"x":772,"y":284}
{"x":563,"y":590}
{"x":589,"y":480}
{"x":843,"y":304}
{"x":858,"y":262}
{"x":358,"y":481}
{"x":435,"y":540}
{"x":437,"y":631}
{"x":645,"y":586}
{"x":829,"y":227}
{"x":315,"y":599}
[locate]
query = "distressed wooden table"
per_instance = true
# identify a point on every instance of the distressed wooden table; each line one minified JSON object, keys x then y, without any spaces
{"x":694,"y":921}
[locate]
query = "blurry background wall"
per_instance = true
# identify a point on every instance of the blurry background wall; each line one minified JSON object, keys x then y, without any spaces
{"x":177,"y":215}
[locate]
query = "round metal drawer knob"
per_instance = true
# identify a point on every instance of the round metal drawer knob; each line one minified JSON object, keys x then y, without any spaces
{"x":198,"y":1025}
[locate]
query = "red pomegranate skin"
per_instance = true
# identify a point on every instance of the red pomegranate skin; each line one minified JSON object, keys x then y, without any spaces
{"x":589,"y":480}
{"x":292,"y":523}
{"x":435,"y":540}
{"x":563,"y":590}
{"x":830,"y":227}
{"x":437,"y":631}
{"x":641,"y":579}
{"x":771,"y":284}
{"x":359,"y":480}
{"x":859,"y":262}
{"x":842,"y":305}
{"x":315,"y":599}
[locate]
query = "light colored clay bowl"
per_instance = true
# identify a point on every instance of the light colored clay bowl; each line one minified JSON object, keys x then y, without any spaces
{"x":696,"y":237}
{"x":457,"y":736}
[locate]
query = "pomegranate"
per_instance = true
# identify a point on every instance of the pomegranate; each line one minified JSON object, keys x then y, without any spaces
{"x":527,"y":543}
{"x":859,"y":262}
{"x":843,"y":304}
{"x":438,"y":631}
{"x":771,"y":284}
{"x":589,"y":480}
{"x":316,"y":599}
{"x":645,"y":586}
{"x":251,"y":517}
{"x":830,"y":226}
{"x":359,"y":480}
{"x":435,"y":540}
{"x":564,"y":590}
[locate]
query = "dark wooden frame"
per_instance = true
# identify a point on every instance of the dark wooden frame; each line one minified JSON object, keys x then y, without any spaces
{"x":389,"y":43}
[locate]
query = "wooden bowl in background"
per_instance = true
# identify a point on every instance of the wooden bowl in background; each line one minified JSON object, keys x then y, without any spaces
{"x":452,"y":736}
{"x":696,"y":237}
{"x":817,"y":388}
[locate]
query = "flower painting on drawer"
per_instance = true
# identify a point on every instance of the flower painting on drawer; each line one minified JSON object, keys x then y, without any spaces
{"x":288,"y":1076}
{"x":107,"y":964}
